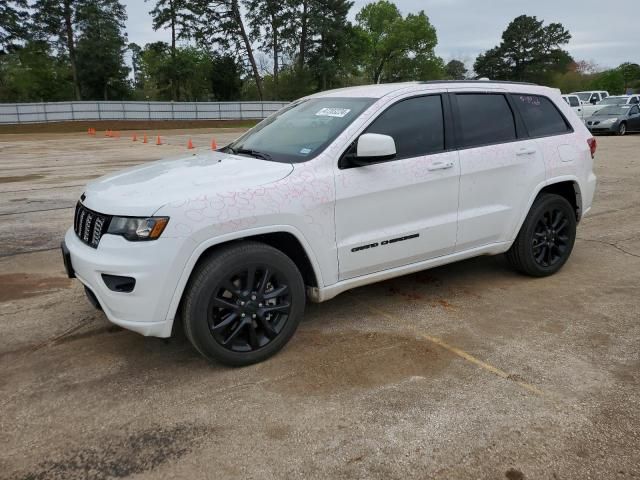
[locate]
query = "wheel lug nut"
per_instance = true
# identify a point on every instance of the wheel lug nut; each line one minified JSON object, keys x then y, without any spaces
{"x":242,"y":315}
{"x":260,"y":305}
{"x":253,"y":316}
{"x":253,"y":297}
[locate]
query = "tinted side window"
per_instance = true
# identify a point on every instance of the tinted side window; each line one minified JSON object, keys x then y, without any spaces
{"x":485,"y":119}
{"x":540,"y":115}
{"x":574,"y":102}
{"x":416,"y":125}
{"x":634,"y":110}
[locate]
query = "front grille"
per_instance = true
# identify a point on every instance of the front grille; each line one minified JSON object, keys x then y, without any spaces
{"x":89,"y":225}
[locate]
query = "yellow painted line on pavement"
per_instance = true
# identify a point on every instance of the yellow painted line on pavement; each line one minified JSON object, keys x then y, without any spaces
{"x":464,"y":355}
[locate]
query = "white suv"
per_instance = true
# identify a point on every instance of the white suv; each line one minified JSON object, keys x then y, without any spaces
{"x":336,"y":190}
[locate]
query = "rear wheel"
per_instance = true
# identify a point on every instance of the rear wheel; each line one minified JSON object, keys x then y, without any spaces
{"x":546,"y":238}
{"x":622,"y":129}
{"x":243,"y":304}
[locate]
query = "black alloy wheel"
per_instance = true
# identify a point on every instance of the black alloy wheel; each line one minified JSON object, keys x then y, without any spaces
{"x":550,"y":240}
{"x":546,"y":238}
{"x":243,"y":303}
{"x":249,"y":309}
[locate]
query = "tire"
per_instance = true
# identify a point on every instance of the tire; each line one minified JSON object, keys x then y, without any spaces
{"x":546,"y":238}
{"x":622,"y":129}
{"x":236,"y":321}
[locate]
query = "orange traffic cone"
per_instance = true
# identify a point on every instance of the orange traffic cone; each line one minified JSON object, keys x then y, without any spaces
{"x":145,"y":139}
{"x":158,"y":140}
{"x":134,"y":138}
{"x":214,"y":145}
{"x":190,"y":145}
{"x":107,"y":133}
{"x":89,"y":132}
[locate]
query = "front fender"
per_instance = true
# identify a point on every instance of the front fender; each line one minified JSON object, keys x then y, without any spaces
{"x":203,"y":246}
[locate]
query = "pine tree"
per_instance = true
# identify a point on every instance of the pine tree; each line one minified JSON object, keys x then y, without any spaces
{"x":172,"y":14}
{"x":101,"y":47}
{"x":271,"y":25}
{"x":329,"y":34}
{"x":54,"y":20}
{"x":13,"y":15}
{"x":220,"y":24}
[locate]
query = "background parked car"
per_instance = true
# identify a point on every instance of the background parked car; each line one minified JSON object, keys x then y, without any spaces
{"x":591,"y":97}
{"x":618,"y":119}
{"x":589,"y":110}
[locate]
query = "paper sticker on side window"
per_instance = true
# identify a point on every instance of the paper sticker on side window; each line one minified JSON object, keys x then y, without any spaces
{"x":333,"y":112}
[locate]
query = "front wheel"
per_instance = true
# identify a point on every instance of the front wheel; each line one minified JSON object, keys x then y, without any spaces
{"x":546,"y":238}
{"x":243,"y":303}
{"x":622,"y":129}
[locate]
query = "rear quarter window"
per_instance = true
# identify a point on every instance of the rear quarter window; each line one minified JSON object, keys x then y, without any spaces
{"x":540,"y":116}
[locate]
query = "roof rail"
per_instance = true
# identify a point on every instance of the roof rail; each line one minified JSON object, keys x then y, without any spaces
{"x":476,"y":81}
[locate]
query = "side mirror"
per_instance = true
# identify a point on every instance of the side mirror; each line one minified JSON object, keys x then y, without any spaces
{"x":373,"y":148}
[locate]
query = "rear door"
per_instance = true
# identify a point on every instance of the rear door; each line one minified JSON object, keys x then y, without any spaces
{"x":499,"y":167}
{"x":545,"y":123}
{"x":403,"y":210}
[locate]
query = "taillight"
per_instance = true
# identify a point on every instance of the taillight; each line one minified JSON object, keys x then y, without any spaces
{"x":593,"y":145}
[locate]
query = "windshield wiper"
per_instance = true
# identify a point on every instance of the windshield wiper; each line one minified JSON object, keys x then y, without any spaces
{"x":253,"y":153}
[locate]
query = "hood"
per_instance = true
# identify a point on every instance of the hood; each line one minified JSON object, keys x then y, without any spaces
{"x":142,"y":190}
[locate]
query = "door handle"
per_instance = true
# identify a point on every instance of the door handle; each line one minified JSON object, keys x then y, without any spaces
{"x":525,"y":151}
{"x":440,"y":166}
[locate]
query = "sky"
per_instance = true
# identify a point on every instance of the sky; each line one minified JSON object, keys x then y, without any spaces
{"x":605,"y":33}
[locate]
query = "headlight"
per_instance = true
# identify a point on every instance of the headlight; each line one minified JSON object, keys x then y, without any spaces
{"x":136,"y":229}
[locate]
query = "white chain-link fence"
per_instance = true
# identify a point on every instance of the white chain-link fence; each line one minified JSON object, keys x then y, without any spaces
{"x":72,"y":111}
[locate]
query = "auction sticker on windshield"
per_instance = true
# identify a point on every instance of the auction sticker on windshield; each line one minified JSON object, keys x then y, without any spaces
{"x":333,"y":112}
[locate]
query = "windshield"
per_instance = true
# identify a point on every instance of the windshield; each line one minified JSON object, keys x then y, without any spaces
{"x":301,"y":130}
{"x":613,"y":101}
{"x":584,"y":96}
{"x":613,"y":111}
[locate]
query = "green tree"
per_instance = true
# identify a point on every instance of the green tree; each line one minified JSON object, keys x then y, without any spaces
{"x":630,"y":73}
{"x":220,"y":25}
{"x":224,"y":78}
{"x":13,"y":17}
{"x":55,"y":21}
{"x":390,"y":37}
{"x":332,"y":38}
{"x":101,"y":47}
{"x":175,"y":15}
{"x":456,"y":70}
{"x":610,"y":80}
{"x":33,"y":74}
{"x":136,"y":59}
{"x":272,"y":27}
{"x":529,"y":51}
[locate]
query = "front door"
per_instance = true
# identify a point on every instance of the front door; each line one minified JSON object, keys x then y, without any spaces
{"x":403,"y":210}
{"x":634,"y":119}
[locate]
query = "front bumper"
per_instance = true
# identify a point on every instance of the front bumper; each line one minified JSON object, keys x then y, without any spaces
{"x":156,"y":267}
{"x":609,"y":128}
